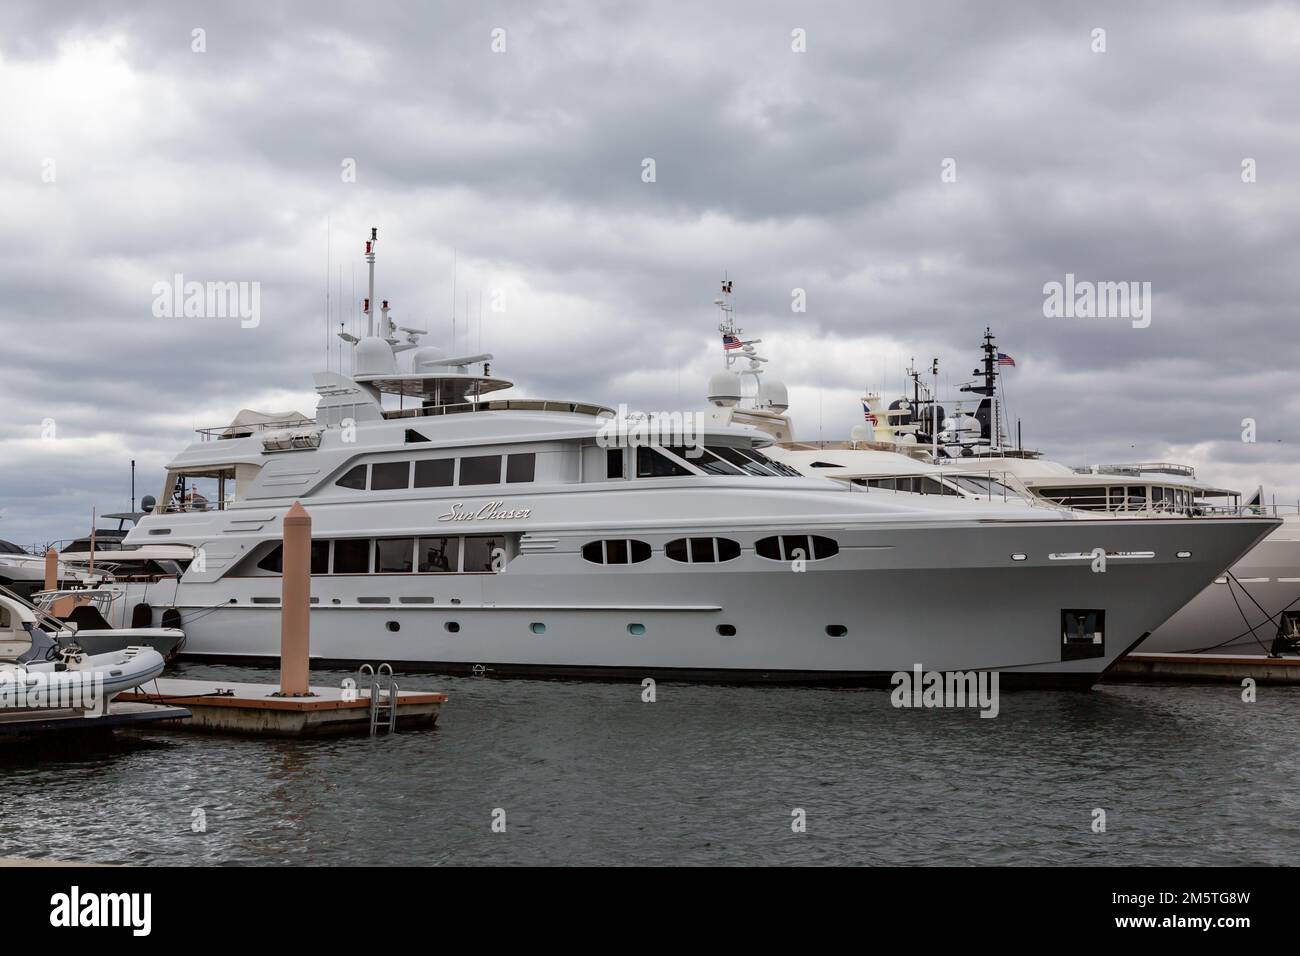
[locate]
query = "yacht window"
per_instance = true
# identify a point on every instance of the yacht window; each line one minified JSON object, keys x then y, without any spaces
{"x":594,"y":551}
{"x":748,"y":465}
{"x":1137,"y":498}
{"x":413,"y":436}
{"x":480,"y":470}
{"x":614,"y":463}
{"x":1087,"y":499}
{"x":779,"y":467}
{"x":7,"y":548}
{"x":320,"y":557}
{"x":393,"y":555}
{"x":650,"y":463}
{"x":354,"y":478}
{"x":274,"y":561}
{"x":983,"y":486}
{"x":708,"y":462}
{"x":435,"y":472}
{"x":616,"y":551}
{"x":478,"y":551}
{"x":352,"y":556}
{"x":390,"y":475}
{"x":811,"y":547}
{"x":702,"y":550}
{"x":438,"y":555}
{"x":520,"y":468}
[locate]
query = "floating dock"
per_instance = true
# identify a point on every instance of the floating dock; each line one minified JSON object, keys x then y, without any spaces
{"x":1205,"y":668}
{"x":256,"y":709}
{"x":72,"y":722}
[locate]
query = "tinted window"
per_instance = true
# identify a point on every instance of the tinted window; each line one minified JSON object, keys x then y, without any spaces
{"x":640,"y":551}
{"x":394,"y":554}
{"x":352,"y":556}
{"x":594,"y":551}
{"x":435,"y":472}
{"x":616,"y":552}
{"x":7,"y":548}
{"x":354,"y":478}
{"x":728,"y":550}
{"x":478,"y":551}
{"x":614,"y":463}
{"x":709,"y":463}
{"x":747,"y":465}
{"x":782,"y":548}
{"x":480,"y":470}
{"x":701,"y":550}
{"x":676,"y":550}
{"x":438,"y":555}
{"x":274,"y":560}
{"x":387,"y":475}
{"x":651,"y":464}
{"x":520,"y":467}
{"x":320,"y":557}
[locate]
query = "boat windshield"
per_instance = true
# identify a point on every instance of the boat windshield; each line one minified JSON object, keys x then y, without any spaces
{"x":8,"y":547}
{"x":983,"y":486}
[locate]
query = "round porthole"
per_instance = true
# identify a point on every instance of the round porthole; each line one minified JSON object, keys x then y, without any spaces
{"x":636,"y":629}
{"x":836,"y":630}
{"x":393,"y":626}
{"x":1018,"y":557}
{"x":727,"y":630}
{"x":537,"y":627}
{"x":453,"y":627}
{"x":1184,"y":554}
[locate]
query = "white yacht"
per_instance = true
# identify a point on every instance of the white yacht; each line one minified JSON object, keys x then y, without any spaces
{"x":455,"y":531}
{"x":1252,"y":608}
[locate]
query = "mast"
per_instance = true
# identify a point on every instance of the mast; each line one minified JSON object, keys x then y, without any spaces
{"x":370,"y":261}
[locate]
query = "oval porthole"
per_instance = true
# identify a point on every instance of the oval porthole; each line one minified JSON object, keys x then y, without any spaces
{"x":636,"y":629}
{"x":1184,"y":554}
{"x":394,"y":626}
{"x":727,"y":630}
{"x":1018,"y":557}
{"x":537,"y":627}
{"x":452,"y":627}
{"x":836,"y":630}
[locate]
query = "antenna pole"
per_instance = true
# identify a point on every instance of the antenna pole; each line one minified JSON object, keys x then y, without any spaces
{"x":370,"y":261}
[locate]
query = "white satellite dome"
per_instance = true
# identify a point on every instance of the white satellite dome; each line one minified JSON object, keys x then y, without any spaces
{"x":860,"y":433}
{"x":907,"y":438}
{"x":426,"y":359}
{"x":724,"y":388}
{"x":374,"y":356}
{"x":773,"y":394}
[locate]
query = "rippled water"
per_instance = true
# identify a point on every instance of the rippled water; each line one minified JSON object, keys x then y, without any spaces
{"x":588,"y":773}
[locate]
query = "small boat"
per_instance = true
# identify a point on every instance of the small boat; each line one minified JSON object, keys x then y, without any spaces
{"x":31,"y":657}
{"x":87,"y":612}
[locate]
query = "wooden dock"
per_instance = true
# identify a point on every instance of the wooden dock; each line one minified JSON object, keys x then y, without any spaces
{"x":1205,"y":668}
{"x":222,"y":706}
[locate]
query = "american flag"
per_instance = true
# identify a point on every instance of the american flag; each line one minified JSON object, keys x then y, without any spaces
{"x":867,"y":416}
{"x":731,"y":342}
{"x":1005,"y":359}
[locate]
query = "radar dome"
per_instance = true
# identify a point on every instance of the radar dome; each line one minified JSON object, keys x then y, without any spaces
{"x":426,"y":359}
{"x":860,"y":433}
{"x":374,"y":356}
{"x":147,"y":503}
{"x":773,"y":394}
{"x":724,"y":388}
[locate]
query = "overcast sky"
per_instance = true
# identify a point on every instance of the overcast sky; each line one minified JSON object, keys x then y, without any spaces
{"x":126,"y":157}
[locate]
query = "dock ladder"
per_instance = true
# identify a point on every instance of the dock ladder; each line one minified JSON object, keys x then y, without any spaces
{"x":383,"y":697}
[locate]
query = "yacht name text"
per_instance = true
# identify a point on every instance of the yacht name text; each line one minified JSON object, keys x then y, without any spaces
{"x":492,"y":511}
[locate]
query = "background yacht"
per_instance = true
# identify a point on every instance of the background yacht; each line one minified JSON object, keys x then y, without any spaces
{"x":1253,"y":607}
{"x":501,"y":535}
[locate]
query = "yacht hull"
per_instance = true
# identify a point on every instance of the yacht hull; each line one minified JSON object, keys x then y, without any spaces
{"x":945,"y":597}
